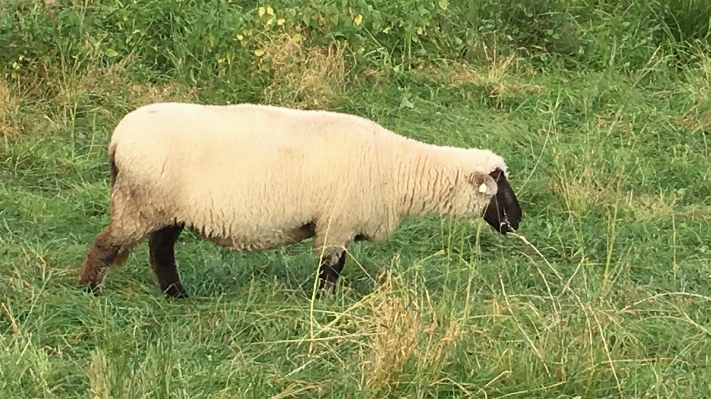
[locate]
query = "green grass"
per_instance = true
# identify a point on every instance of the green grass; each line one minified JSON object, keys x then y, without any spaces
{"x":604,"y":292}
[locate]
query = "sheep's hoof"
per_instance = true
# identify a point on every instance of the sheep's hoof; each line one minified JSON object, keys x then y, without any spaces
{"x":89,"y":289}
{"x":176,"y":291}
{"x":326,"y":289}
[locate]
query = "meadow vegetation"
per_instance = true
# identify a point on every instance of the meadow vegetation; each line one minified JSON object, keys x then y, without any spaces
{"x":602,"y":109}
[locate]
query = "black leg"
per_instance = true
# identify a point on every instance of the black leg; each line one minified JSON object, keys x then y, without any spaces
{"x":330,"y":270}
{"x":161,"y":245}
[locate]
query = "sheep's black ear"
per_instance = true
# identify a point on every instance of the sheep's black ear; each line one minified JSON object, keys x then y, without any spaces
{"x":503,"y":212}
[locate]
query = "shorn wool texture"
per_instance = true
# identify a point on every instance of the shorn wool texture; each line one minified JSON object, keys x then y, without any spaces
{"x":253,"y":177}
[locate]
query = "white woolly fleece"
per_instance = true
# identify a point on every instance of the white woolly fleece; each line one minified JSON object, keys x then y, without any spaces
{"x":253,"y":177}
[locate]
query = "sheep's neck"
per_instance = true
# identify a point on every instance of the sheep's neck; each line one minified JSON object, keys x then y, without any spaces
{"x":429,"y":186}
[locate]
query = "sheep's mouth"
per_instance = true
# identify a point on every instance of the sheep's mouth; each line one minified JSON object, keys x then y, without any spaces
{"x":503,"y":212}
{"x":506,"y":223}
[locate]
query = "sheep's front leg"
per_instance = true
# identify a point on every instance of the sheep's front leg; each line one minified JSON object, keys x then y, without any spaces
{"x":331,"y":238}
{"x":330,"y":270}
{"x":161,"y":245}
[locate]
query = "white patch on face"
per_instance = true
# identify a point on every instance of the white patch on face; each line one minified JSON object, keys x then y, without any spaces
{"x":483,"y":188}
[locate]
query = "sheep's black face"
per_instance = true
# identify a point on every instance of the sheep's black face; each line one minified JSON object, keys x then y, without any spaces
{"x":503,"y":212}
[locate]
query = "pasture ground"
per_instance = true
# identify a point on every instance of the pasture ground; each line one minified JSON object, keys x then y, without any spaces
{"x":604,"y":292}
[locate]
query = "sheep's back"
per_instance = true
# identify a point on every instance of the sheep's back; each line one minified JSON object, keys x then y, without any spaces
{"x":247,"y":168}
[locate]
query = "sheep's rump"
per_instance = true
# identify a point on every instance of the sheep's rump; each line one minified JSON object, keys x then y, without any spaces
{"x":253,"y":177}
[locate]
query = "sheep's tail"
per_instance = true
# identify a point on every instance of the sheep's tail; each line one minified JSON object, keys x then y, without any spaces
{"x":123,"y":253}
{"x":112,"y":165}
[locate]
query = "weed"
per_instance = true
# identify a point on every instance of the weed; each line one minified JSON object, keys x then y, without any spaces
{"x":302,"y":78}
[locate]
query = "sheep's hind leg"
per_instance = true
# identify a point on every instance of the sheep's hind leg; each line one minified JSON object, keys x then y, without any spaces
{"x":329,"y":271}
{"x":161,"y":244}
{"x":105,"y":251}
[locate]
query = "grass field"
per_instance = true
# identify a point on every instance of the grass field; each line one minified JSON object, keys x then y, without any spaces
{"x":605,"y":290}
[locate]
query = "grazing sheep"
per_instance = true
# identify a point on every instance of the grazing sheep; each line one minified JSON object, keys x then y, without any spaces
{"x":253,"y":177}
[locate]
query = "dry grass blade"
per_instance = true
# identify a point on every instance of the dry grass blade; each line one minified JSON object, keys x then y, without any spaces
{"x":396,"y":325}
{"x":9,"y":107}
{"x":99,"y":375}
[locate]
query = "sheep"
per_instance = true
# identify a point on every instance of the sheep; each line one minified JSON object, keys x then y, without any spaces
{"x":251,"y":177}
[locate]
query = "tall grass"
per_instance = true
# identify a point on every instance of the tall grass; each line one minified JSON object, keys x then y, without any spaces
{"x":600,"y":107}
